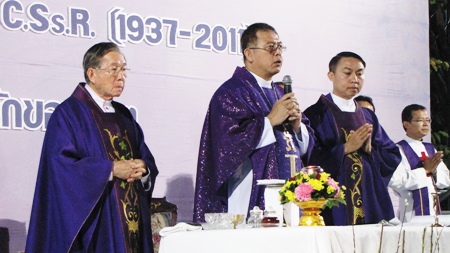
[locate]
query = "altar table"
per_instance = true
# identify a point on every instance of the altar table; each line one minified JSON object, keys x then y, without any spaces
{"x":346,"y":239}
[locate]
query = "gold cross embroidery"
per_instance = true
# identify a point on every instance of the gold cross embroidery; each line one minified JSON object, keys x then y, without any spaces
{"x":289,"y":141}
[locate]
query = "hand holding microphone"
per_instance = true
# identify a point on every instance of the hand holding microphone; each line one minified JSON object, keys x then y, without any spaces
{"x":286,"y":110}
{"x":292,"y":105}
{"x":291,"y":102}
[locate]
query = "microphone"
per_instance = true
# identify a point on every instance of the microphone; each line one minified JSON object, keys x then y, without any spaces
{"x":287,"y":82}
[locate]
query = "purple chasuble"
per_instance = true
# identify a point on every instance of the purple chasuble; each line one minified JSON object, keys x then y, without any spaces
{"x":287,"y":153}
{"x":231,"y":132}
{"x":345,"y":122}
{"x":76,"y":208}
{"x":118,"y":147}
{"x":421,"y":200}
{"x":374,"y":170}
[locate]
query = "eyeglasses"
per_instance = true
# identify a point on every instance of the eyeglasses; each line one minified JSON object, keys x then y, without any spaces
{"x":422,"y":120}
{"x":271,"y":48}
{"x":116,"y":71}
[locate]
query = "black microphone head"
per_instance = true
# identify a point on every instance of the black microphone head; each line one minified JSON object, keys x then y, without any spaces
{"x":287,"y":82}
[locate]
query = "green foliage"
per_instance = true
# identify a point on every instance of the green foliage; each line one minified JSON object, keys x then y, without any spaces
{"x":440,"y":76}
{"x":438,"y":138}
{"x":334,"y":202}
{"x":438,"y":65}
{"x":440,"y":3}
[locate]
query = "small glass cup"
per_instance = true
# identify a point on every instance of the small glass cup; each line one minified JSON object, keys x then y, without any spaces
{"x":254,"y":221}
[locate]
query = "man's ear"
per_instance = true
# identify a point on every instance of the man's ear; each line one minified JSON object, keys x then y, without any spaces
{"x":406,"y":124}
{"x":91,"y":75}
{"x":331,"y":75}
{"x":248,"y":55}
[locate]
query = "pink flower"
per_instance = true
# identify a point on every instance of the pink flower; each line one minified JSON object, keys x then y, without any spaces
{"x":333,"y":184}
{"x":303,"y":191}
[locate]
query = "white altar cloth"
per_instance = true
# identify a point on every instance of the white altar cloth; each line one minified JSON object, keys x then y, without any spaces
{"x":362,"y":238}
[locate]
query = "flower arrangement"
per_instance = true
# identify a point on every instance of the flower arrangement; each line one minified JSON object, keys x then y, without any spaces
{"x":312,"y":183}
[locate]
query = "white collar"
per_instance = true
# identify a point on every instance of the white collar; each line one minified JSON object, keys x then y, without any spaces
{"x":411,"y":140}
{"x":105,"y":105}
{"x":344,"y":104}
{"x":261,"y":82}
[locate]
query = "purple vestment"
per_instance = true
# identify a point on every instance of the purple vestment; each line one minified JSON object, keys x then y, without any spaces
{"x":76,"y":208}
{"x":231,"y":132}
{"x":377,"y":168}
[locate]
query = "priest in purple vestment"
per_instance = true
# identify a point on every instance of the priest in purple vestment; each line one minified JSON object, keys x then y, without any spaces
{"x":351,"y":145}
{"x":252,"y":131}
{"x":96,"y":173}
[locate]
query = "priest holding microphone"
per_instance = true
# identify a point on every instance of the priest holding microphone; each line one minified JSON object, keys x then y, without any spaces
{"x":252,"y":131}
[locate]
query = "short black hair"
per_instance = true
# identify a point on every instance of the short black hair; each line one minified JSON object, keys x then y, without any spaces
{"x":408,"y":110}
{"x":366,"y":99}
{"x":93,"y":57}
{"x":335,"y":60}
{"x":249,"y":35}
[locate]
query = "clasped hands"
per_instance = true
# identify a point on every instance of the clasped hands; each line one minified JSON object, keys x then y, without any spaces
{"x":359,"y":139}
{"x":286,"y":108}
{"x":129,"y":170}
{"x":430,"y":164}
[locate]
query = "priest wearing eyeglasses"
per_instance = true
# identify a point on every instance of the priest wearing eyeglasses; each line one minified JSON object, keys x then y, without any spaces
{"x":252,"y":131}
{"x":421,"y":172}
{"x":96,"y":173}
